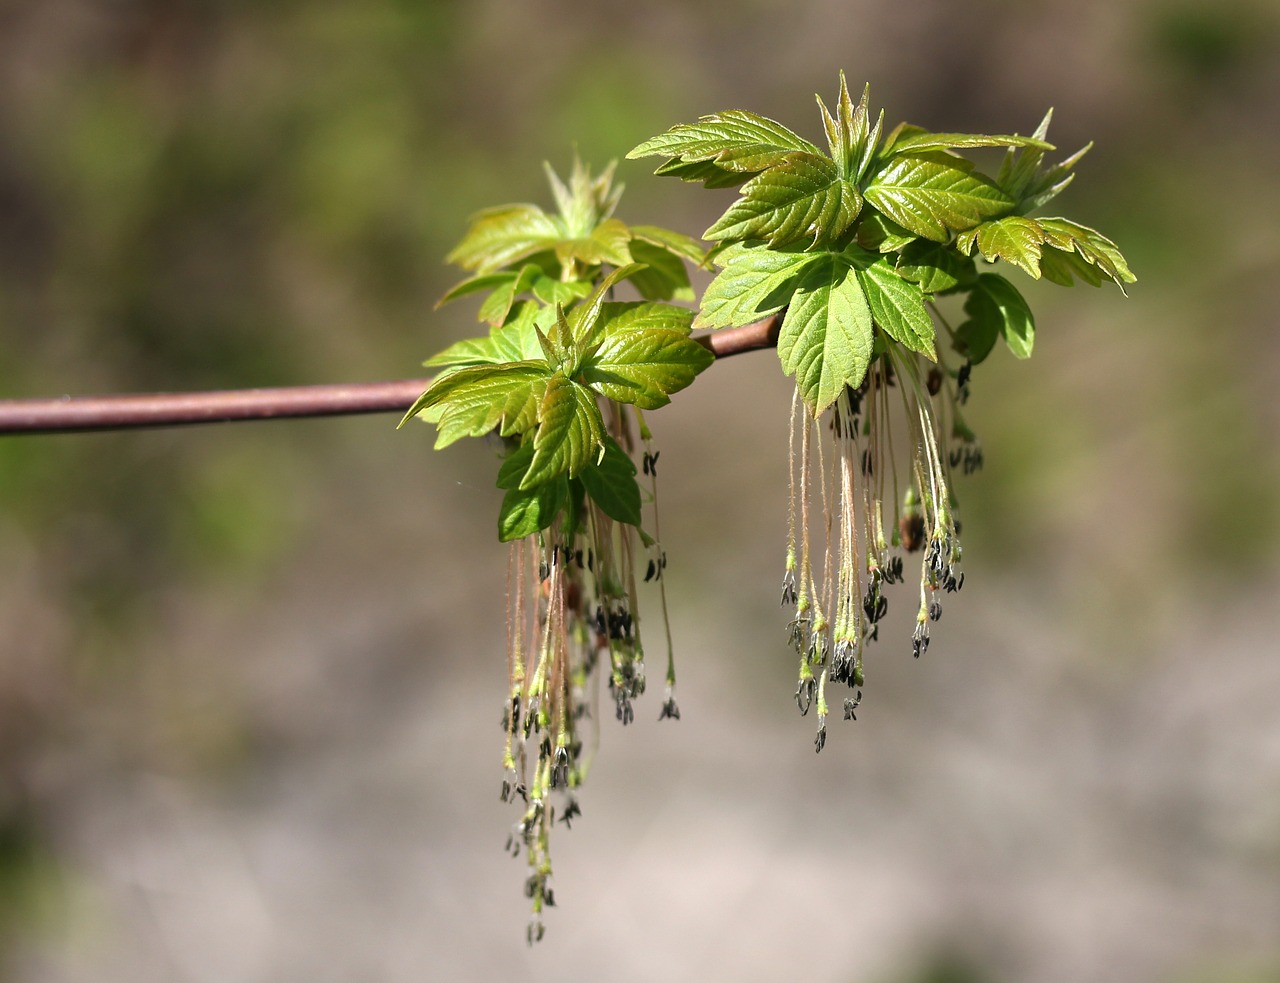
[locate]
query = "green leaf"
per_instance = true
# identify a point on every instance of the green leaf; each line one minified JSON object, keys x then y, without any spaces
{"x":933,"y":195}
{"x":756,"y":281}
{"x":619,"y":316}
{"x":708,"y":172}
{"x":995,"y":298}
{"x":735,"y":140}
{"x":563,"y":292}
{"x":1092,"y":246}
{"x":664,"y":276}
{"x":801,"y":197}
{"x":879,"y":234}
{"x":611,"y":483}
{"x":1015,"y":239}
{"x":493,"y":383}
{"x":528,"y":511}
{"x":827,"y":337}
{"x":676,"y":243}
{"x":1062,"y":268}
{"x":476,"y":284}
{"x":608,"y":242}
{"x":923,"y":141}
{"x":645,"y":367}
{"x":501,"y":236}
{"x":937,"y":268}
{"x":570,"y":432}
{"x":897,"y":306}
{"x":515,"y":466}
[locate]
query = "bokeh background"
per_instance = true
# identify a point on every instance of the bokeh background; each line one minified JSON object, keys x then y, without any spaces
{"x":250,"y":675}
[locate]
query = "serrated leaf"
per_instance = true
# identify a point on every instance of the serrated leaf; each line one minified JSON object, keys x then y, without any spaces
{"x":1014,"y":239}
{"x":490,"y":382}
{"x":476,"y":284}
{"x":570,"y":432}
{"x":618,"y":316}
{"x":1063,"y":268}
{"x":528,"y":511}
{"x":501,"y":236}
{"x":644,"y":367}
{"x":937,"y":268}
{"x":735,"y":140}
{"x":468,"y":352}
{"x":1092,"y":246}
{"x":708,"y":172}
{"x":563,"y":292}
{"x":608,"y":242}
{"x":801,"y":197}
{"x":932,"y":196}
{"x":612,"y":484}
{"x":756,"y":281}
{"x":676,"y":243}
{"x":826,"y":339}
{"x":584,"y":317}
{"x":880,"y":234}
{"x":897,"y":306}
{"x":1015,"y":321}
{"x":922,"y":141}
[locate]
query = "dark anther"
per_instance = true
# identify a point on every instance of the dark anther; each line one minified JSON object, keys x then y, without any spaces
{"x":649,"y":573}
{"x":577,"y":558}
{"x":506,"y":791}
{"x":955,"y":457}
{"x":912,"y":530}
{"x":549,"y":898}
{"x":669,"y":710}
{"x":851,"y":704}
{"x":962,"y":377}
{"x":920,"y":640}
{"x":804,"y":694}
{"x":935,"y":610}
{"x":591,"y":560}
{"x":866,"y":463}
{"x":820,"y":741}
{"x":571,"y":812}
{"x":893,"y":573}
{"x":544,"y":571}
{"x":933,"y":381}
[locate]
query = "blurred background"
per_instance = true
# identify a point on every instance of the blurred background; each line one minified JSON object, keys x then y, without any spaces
{"x":250,"y":675}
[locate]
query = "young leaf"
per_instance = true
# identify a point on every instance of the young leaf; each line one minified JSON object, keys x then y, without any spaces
{"x":881,"y":235}
{"x":934,"y":195}
{"x":1015,"y":239}
{"x":619,"y":316}
{"x":922,"y":141}
{"x":504,"y":235}
{"x":1092,"y":246}
{"x":756,"y":281}
{"x":569,"y":435}
{"x":937,"y":268}
{"x":664,"y":276}
{"x":734,"y":140}
{"x":897,"y":306}
{"x":826,"y":338}
{"x":801,"y":197}
{"x":708,"y":172}
{"x":528,"y":511}
{"x":644,"y":367}
{"x":487,"y":382}
{"x":995,"y":298}
{"x":611,"y":483}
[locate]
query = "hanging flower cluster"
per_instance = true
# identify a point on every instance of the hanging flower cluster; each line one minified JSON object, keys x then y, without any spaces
{"x":875,"y":255}
{"x":563,"y":378}
{"x":856,"y":247}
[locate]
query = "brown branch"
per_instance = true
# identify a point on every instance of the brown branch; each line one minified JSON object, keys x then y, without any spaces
{"x":68,"y":414}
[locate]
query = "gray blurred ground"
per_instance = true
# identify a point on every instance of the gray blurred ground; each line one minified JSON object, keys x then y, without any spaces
{"x":250,"y":676}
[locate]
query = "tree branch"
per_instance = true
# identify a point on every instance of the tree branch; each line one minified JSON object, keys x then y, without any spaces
{"x":70,"y":414}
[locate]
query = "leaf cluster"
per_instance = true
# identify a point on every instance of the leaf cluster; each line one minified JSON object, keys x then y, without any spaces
{"x":854,"y":241}
{"x":558,"y":346}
